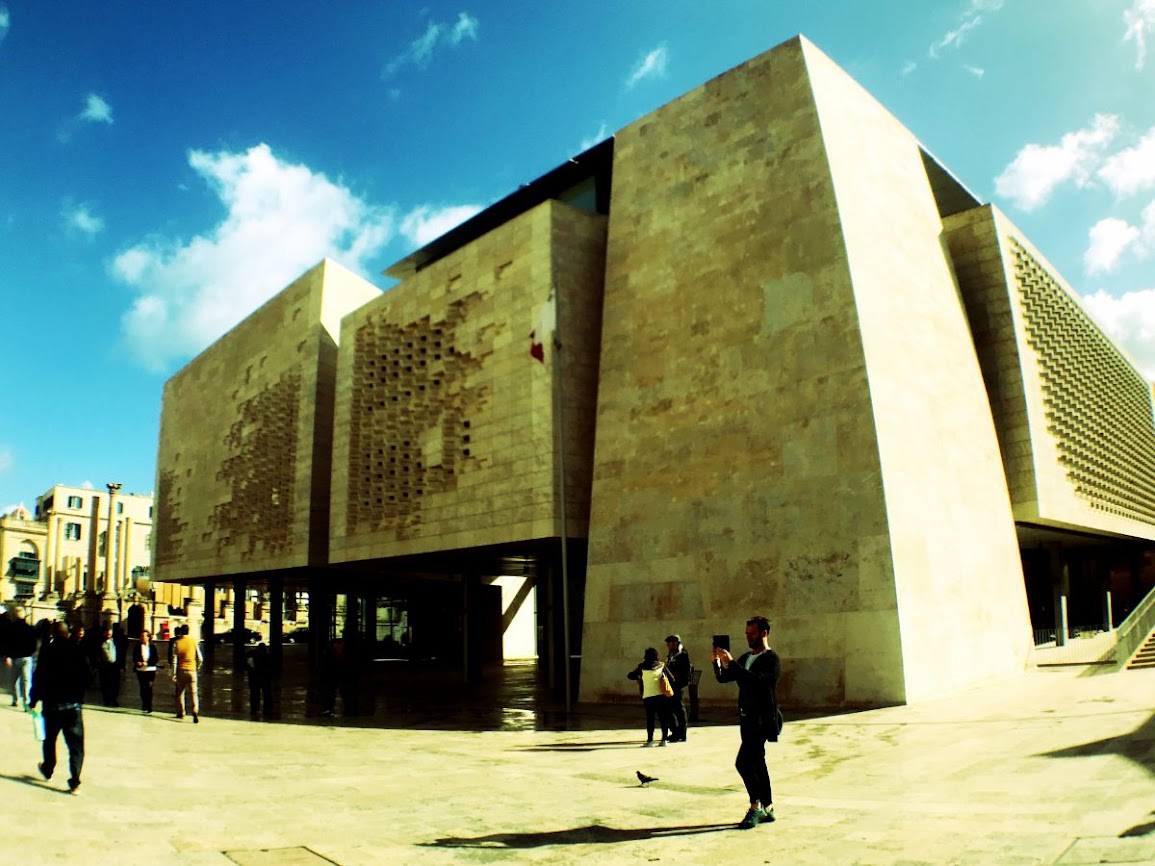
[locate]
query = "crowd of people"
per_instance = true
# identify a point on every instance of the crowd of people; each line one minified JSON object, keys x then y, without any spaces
{"x":51,"y":665}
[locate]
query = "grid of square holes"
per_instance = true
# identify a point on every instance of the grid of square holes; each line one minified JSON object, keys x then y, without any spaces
{"x":1098,"y":408}
{"x":169,"y":528}
{"x":260,"y":471}
{"x":408,"y":386}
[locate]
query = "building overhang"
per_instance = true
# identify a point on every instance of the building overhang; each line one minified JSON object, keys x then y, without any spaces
{"x":583,"y":181}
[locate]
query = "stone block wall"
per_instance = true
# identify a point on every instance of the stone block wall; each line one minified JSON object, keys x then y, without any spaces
{"x":243,"y":427}
{"x":736,"y":467}
{"x":1074,"y":414}
{"x":448,"y":424}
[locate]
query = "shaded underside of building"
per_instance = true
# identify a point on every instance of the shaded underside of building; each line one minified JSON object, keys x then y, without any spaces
{"x":759,"y":353}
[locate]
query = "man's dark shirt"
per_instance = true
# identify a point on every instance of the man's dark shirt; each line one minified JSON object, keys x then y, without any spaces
{"x":21,"y":639}
{"x":678,"y":664}
{"x":61,"y":674}
{"x":757,"y":689}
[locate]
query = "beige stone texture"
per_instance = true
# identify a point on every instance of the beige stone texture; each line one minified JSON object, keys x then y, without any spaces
{"x":791,"y":419}
{"x":1073,"y":412}
{"x":243,"y":466}
{"x":449,"y":428}
{"x":951,"y":530}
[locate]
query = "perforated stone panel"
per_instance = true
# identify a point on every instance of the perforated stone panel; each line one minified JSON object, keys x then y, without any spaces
{"x":243,"y":462}
{"x":409,"y":433}
{"x":1098,"y":407}
{"x":446,"y":426}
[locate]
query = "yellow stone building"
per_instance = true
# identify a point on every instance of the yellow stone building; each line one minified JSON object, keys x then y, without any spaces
{"x":758,"y":353}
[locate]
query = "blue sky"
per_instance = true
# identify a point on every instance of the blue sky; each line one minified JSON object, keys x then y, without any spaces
{"x":168,"y":165}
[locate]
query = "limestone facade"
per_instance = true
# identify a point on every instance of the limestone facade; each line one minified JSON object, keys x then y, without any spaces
{"x":246,"y":437}
{"x":450,"y":427}
{"x":799,"y":371}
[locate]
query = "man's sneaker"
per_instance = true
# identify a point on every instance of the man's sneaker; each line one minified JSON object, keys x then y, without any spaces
{"x":647,"y":744}
{"x":196,"y":719}
{"x":43,"y":772}
{"x":73,"y":786}
{"x":662,"y":743}
{"x":753,"y":818}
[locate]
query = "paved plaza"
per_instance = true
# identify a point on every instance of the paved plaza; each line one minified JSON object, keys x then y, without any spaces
{"x":1054,"y":767}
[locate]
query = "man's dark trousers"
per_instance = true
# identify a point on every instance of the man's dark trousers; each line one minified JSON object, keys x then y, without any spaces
{"x":751,"y":762}
{"x":678,"y":715}
{"x":64,"y":719}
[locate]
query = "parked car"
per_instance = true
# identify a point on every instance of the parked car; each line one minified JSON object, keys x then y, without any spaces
{"x":297,"y":635}
{"x":250,"y":636}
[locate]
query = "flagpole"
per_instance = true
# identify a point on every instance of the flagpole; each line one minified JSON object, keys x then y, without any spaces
{"x":559,"y":414}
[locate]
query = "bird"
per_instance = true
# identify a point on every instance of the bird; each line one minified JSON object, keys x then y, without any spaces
{"x":644,"y":779}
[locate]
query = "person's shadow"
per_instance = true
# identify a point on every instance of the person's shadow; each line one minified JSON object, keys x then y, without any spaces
{"x":596,"y":834}
{"x":35,"y":782}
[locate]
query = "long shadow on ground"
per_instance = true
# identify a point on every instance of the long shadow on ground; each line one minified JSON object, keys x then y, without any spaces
{"x":597,"y":834}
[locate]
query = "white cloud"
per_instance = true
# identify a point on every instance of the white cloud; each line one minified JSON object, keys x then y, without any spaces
{"x":909,"y":67}
{"x":6,"y":459}
{"x":1132,"y":170}
{"x":420,"y":50}
{"x":1130,"y":321}
{"x":466,"y":26}
{"x":976,"y":71}
{"x":653,"y":65}
{"x":971,"y":18}
{"x":1109,"y":238}
{"x":1140,"y":19}
{"x":5,"y":22}
{"x":1038,"y":169}
{"x":80,"y":218}
{"x":281,"y":218}
{"x":87,"y":485}
{"x":1112,"y":238}
{"x":425,"y":223}
{"x":596,"y":138}
{"x":96,"y":110}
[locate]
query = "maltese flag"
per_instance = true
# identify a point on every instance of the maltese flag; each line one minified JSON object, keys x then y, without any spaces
{"x":546,"y":323}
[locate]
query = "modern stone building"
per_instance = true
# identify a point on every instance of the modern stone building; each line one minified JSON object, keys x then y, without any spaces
{"x":759,"y":352}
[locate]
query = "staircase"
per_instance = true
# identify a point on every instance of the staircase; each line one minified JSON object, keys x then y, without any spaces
{"x":1145,"y":657}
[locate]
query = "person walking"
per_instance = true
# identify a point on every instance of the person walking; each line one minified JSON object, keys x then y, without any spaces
{"x":678,"y":666}
{"x":756,"y":672}
{"x":21,"y":647}
{"x":145,"y":659}
{"x":59,"y":681}
{"x":651,"y":674}
{"x":260,"y":669}
{"x":187,"y":658}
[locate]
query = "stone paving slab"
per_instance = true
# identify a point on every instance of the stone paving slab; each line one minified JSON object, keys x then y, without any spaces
{"x":1055,"y":767}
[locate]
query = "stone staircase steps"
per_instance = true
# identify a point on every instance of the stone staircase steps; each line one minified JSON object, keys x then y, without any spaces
{"x":1145,"y":657}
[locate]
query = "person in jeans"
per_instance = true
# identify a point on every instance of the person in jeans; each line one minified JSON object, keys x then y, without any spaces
{"x":678,"y":667}
{"x":650,"y":673}
{"x":187,"y":658}
{"x":21,"y":647}
{"x":59,"y":681}
{"x":756,"y":673}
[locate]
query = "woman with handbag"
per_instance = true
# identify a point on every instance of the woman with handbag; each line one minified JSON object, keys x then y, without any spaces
{"x":144,"y":661}
{"x":656,"y":688}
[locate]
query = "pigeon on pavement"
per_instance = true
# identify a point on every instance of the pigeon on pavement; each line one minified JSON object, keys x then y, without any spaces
{"x":644,"y":779}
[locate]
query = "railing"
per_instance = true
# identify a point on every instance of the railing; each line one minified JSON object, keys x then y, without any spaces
{"x":1134,"y":629}
{"x":1083,"y":645}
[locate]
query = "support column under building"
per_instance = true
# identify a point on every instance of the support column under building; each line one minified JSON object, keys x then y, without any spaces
{"x":239,"y":603}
